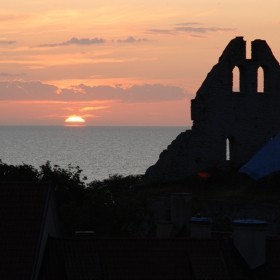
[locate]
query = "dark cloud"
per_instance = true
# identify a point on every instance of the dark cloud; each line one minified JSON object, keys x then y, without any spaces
{"x":137,"y":93}
{"x":18,"y":90}
{"x":202,"y":29}
{"x":83,"y":41}
{"x":4,"y":42}
{"x":76,"y":41}
{"x":131,"y":39}
{"x":4,"y":74}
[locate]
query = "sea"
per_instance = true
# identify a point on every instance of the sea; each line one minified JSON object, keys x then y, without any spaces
{"x":98,"y":151}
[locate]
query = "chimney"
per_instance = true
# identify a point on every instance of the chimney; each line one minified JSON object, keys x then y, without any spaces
{"x":249,"y":239}
{"x":164,"y":229}
{"x":201,"y":227}
{"x":180,"y":209}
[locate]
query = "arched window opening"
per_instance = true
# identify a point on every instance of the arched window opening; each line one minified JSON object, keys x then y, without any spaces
{"x":260,"y":78}
{"x":236,"y":79}
{"x":230,"y":149}
{"x":227,"y":150}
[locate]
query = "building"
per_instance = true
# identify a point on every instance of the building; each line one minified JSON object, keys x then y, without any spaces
{"x":198,"y":253}
{"x":31,"y":248}
{"x":28,"y":217}
{"x":229,"y":125}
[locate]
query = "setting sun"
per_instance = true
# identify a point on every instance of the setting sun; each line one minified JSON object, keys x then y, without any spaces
{"x":75,"y":120}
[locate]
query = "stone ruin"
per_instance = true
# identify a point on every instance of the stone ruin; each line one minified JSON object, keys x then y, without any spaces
{"x":229,"y":126}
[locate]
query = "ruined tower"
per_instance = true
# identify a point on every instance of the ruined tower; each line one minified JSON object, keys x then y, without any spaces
{"x":229,"y":125}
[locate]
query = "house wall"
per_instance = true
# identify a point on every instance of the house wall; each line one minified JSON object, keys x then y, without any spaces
{"x":247,"y":118}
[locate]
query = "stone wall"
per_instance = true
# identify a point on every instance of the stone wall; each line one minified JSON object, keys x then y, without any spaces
{"x":247,"y":119}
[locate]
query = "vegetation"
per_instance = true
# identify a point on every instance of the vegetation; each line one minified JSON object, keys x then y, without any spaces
{"x":109,"y":207}
{"x":113,"y":207}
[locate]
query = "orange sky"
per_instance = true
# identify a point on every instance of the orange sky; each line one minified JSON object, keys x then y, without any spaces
{"x":118,"y":63}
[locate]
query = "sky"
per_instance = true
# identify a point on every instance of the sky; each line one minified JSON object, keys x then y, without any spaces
{"x":116,"y":62}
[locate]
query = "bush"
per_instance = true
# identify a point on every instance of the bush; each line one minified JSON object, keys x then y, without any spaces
{"x":109,"y":207}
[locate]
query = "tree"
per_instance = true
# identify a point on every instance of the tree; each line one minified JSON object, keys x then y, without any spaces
{"x":109,"y":207}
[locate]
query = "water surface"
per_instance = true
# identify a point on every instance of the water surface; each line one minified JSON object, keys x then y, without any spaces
{"x":99,"y":151}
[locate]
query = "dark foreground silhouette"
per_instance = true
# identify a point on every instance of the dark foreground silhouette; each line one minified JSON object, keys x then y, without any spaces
{"x":106,"y":207}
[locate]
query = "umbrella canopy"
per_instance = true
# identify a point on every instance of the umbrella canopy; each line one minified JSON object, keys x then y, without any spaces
{"x":265,"y":161}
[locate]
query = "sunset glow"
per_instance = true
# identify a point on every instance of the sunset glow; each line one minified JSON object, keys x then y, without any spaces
{"x":75,"y":119}
{"x":129,"y":63}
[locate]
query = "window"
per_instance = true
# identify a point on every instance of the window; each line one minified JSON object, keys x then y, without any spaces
{"x":230,"y":143}
{"x":236,"y":79}
{"x":260,"y":84}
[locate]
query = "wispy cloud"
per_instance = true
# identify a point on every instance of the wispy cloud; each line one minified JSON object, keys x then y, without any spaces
{"x":4,"y":74}
{"x":186,"y":27}
{"x":39,"y":92}
{"x":160,"y":31}
{"x":90,"y":116}
{"x":94,"y":108}
{"x":192,"y":36}
{"x":203,"y":29}
{"x":54,"y":102}
{"x":131,"y":39}
{"x":188,"y":23}
{"x":52,"y":116}
{"x":5,"y":42}
{"x":6,"y":16}
{"x":76,"y":41}
{"x":87,"y":41}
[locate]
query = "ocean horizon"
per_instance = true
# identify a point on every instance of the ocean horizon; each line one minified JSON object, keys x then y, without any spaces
{"x":99,"y":151}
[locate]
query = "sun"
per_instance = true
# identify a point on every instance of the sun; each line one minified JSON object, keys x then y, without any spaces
{"x":75,"y":120}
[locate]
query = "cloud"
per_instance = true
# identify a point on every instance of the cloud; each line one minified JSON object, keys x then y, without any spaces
{"x":137,"y":93}
{"x":202,"y":29}
{"x":90,"y":116}
{"x":39,"y":92}
{"x":192,"y":36}
{"x":83,"y":41}
{"x":160,"y":31}
{"x":94,"y":108}
{"x":4,"y":74}
{"x":188,"y":23}
{"x":131,"y":39}
{"x":184,"y":27}
{"x":5,"y":42}
{"x":4,"y":16}
{"x":52,"y":116}
{"x":76,"y":41}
